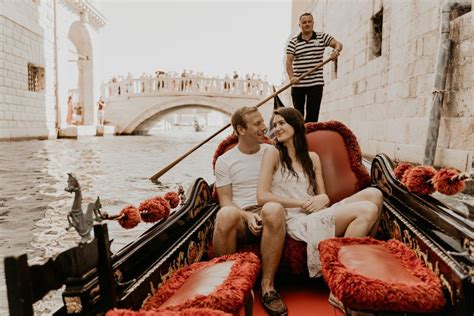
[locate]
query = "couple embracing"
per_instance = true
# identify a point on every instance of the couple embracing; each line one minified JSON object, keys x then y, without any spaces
{"x":267,"y":191}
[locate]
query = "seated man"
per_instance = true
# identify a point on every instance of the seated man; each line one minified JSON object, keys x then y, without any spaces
{"x":240,"y":218}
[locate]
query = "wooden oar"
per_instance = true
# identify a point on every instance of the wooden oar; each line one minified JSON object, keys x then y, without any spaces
{"x":155,"y":177}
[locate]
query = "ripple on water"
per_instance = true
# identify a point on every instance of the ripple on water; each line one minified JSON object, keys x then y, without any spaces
{"x":34,"y":205}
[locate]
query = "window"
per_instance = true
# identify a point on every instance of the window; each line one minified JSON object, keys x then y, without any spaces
{"x":376,"y":38}
{"x":35,"y":78}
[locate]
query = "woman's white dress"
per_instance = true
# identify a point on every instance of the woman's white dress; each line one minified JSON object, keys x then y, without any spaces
{"x":310,"y":228}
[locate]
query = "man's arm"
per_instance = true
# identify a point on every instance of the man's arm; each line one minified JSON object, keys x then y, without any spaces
{"x":225,"y":195}
{"x":289,"y":68}
{"x":337,"y":46}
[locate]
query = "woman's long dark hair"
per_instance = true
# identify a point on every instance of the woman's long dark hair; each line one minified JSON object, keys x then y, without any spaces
{"x":295,"y":119}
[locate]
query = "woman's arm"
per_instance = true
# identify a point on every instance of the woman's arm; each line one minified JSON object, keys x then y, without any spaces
{"x":319,"y":172}
{"x":270,"y":162}
{"x":321,"y":200}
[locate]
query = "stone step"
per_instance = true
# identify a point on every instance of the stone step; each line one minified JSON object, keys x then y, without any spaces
{"x":77,"y":131}
{"x":105,"y":130}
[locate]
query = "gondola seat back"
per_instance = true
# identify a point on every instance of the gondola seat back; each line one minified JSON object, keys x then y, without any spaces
{"x":340,"y":156}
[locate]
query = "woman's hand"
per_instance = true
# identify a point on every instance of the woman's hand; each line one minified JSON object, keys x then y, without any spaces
{"x":254,"y":223}
{"x":316,"y":203}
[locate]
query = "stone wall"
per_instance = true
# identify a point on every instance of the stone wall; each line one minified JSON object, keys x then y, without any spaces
{"x":27,"y":37}
{"x":386,"y":100}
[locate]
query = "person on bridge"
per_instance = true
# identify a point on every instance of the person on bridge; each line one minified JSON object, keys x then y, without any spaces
{"x":303,"y":53}
{"x":240,"y":219}
{"x":101,"y":113}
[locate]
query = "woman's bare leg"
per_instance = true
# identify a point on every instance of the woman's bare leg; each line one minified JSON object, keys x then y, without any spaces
{"x":355,"y":219}
{"x":373,"y":195}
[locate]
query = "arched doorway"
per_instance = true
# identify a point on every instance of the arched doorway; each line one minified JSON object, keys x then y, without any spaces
{"x":80,"y":38}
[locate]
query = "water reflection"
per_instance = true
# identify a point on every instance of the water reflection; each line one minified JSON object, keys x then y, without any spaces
{"x":34,"y":205}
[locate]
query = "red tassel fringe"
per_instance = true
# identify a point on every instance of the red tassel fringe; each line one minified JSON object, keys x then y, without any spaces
{"x":154,"y":209}
{"x":447,"y":181}
{"x":418,"y":180}
{"x":129,"y":217}
{"x":184,"y":312}
{"x":172,"y":198}
{"x":401,"y":169}
{"x":364,"y":293}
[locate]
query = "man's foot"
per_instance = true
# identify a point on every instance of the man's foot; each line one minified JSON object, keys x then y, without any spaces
{"x":336,"y":303}
{"x":273,"y":303}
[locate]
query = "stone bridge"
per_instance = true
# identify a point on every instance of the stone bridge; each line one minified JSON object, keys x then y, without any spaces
{"x":131,"y":103}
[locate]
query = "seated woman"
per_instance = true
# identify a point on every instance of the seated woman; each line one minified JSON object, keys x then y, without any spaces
{"x":292,"y":176}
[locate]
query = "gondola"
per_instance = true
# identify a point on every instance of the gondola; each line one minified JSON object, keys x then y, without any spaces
{"x":97,"y":280}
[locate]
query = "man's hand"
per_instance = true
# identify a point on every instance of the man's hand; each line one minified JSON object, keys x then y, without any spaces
{"x":294,"y":80}
{"x":335,"y":53}
{"x":254,"y":223}
{"x":316,"y":203}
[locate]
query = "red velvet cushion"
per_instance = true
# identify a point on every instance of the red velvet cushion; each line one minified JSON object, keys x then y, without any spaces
{"x":184,"y":312}
{"x":221,"y":284}
{"x":372,"y":275}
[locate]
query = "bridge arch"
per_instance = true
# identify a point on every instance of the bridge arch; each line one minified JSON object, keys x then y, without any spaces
{"x":162,"y":106}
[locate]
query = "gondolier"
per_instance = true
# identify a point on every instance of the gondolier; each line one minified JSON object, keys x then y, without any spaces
{"x":302,"y":53}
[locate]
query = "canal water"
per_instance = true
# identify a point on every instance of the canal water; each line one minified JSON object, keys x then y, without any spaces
{"x":33,"y":175}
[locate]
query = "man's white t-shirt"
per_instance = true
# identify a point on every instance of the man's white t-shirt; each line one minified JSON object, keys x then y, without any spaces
{"x":241,"y":171}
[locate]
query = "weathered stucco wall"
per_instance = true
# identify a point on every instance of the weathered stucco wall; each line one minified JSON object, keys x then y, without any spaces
{"x":27,"y":36}
{"x":386,"y":100}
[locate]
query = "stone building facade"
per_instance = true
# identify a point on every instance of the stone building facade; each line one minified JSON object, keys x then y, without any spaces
{"x":48,"y":50}
{"x":383,"y":83}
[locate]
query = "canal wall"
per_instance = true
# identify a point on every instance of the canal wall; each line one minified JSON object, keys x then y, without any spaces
{"x":48,"y":50}
{"x":383,"y":83}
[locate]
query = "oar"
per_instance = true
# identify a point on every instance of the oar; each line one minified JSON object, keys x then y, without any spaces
{"x":155,"y":177}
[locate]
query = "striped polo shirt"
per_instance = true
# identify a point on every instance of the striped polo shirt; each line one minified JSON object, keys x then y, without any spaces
{"x":307,"y":55}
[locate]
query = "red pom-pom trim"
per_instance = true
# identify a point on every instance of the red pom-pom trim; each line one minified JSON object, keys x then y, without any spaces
{"x":129,"y":217}
{"x":448,"y":181}
{"x":418,"y":180}
{"x":401,"y":169}
{"x":154,"y":209}
{"x":172,"y":198}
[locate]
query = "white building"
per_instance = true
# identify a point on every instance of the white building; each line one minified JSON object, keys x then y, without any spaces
{"x":382,"y":87}
{"x":48,"y":50}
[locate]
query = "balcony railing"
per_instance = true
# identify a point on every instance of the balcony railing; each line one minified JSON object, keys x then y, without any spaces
{"x":186,"y":86}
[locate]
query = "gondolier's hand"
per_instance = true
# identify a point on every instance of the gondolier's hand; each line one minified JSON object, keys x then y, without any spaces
{"x":335,"y":53}
{"x":316,"y":203}
{"x":294,"y":80}
{"x":254,"y":222}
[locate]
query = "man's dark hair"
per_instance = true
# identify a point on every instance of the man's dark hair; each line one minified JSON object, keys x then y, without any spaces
{"x":306,"y":14}
{"x":238,"y":117}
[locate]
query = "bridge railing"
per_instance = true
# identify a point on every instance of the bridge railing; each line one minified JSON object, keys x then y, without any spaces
{"x":186,"y":86}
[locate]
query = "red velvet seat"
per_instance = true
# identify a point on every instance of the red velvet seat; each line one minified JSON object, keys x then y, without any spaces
{"x":222,"y":284}
{"x":371,"y":275}
{"x":343,"y":172}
